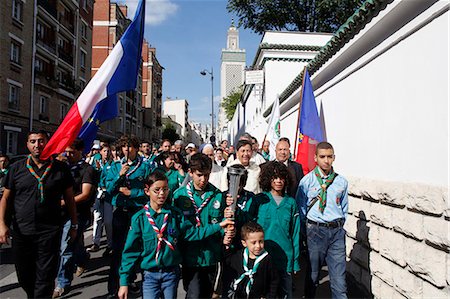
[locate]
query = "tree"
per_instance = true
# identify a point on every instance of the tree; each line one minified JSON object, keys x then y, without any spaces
{"x":170,"y":133}
{"x":293,"y":15}
{"x":230,"y":102}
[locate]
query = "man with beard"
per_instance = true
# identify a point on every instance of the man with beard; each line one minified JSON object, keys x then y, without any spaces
{"x":33,"y":190}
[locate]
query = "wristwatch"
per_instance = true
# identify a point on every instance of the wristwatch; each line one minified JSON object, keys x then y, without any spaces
{"x":74,"y":226}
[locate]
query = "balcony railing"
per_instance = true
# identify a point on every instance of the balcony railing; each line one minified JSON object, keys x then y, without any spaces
{"x":49,"y":6}
{"x":67,"y":57}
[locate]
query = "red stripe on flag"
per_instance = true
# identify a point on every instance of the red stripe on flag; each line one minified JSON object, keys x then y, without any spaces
{"x":305,"y":154}
{"x":65,"y":134}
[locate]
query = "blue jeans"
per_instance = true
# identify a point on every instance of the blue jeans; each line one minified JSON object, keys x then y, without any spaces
{"x":326,"y":244}
{"x":71,"y":253}
{"x":156,"y":283}
{"x":285,"y":286}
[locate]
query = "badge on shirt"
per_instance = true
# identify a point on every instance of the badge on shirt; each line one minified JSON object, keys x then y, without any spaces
{"x":214,"y":221}
{"x":216,"y":204}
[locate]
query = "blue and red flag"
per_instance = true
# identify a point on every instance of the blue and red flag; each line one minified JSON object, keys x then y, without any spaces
{"x":98,"y":101}
{"x":309,"y":127}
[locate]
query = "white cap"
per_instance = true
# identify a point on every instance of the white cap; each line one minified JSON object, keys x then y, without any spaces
{"x":190,"y":145}
{"x":96,"y":146}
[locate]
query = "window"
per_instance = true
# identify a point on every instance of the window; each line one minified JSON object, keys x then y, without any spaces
{"x":11,"y":142}
{"x":82,"y":59}
{"x":38,"y":65}
{"x":15,"y":52}
{"x":13,"y":98}
{"x":84,"y":4}
{"x":83,"y":29}
{"x":63,"y":109}
{"x":43,"y":105}
{"x":17,"y":9}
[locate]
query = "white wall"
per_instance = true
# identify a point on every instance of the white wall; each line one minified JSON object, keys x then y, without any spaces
{"x":389,"y":119}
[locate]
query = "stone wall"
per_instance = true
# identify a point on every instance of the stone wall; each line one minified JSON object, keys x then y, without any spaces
{"x":398,"y":239}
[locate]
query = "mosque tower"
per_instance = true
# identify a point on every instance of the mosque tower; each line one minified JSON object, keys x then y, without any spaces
{"x":231,"y":75}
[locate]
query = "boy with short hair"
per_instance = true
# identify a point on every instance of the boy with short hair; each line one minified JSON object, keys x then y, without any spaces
{"x":202,"y":204}
{"x":252,"y":267}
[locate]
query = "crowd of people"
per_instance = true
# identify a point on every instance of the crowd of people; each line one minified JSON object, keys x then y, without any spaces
{"x":168,"y":214}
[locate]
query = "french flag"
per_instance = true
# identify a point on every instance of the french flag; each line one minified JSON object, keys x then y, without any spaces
{"x":117,"y":73}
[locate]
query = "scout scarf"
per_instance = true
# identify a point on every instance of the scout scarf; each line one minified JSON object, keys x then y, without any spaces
{"x":324,"y":186}
{"x":38,"y":178}
{"x":248,"y":272}
{"x":130,"y":172}
{"x":159,"y":232}
{"x":205,"y":202}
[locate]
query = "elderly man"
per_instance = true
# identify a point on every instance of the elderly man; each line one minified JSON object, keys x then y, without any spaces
{"x":244,"y":153}
{"x":256,"y":157}
{"x":283,"y":153}
{"x":216,"y":171}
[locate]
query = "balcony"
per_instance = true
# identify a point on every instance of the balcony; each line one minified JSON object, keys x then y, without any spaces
{"x":67,"y":82}
{"x":47,"y":45}
{"x":49,"y":6}
{"x":67,"y":22}
{"x":65,"y":55}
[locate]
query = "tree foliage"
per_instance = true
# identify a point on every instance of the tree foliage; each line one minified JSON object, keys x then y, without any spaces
{"x":169,"y":132}
{"x":293,"y":15}
{"x":230,"y":102}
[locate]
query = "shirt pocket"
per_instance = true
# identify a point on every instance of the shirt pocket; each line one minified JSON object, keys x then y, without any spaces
{"x":149,"y":242}
{"x":312,"y":193}
{"x":214,"y":215}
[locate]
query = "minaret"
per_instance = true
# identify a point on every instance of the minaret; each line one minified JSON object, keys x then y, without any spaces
{"x":231,"y":75}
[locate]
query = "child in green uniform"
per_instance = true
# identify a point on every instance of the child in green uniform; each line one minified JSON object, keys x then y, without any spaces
{"x":153,"y":239}
{"x":278,"y":215}
{"x":202,"y":204}
{"x":166,"y":164}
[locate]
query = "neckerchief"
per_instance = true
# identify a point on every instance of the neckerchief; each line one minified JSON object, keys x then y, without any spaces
{"x":38,"y":178}
{"x":248,"y":272}
{"x":131,"y":171}
{"x":205,"y":202}
{"x":324,"y":186}
{"x":159,"y":232}
{"x":4,"y":171}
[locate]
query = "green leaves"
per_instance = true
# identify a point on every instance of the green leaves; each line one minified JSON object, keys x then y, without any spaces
{"x":230,"y":102}
{"x":293,"y":15}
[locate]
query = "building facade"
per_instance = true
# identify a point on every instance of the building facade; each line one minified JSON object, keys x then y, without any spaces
{"x":110,"y":22}
{"x":151,"y":94}
{"x":231,"y":76}
{"x":45,"y":63}
{"x":179,"y":109}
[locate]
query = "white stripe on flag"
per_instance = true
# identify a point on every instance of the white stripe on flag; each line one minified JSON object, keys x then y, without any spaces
{"x":96,"y":91}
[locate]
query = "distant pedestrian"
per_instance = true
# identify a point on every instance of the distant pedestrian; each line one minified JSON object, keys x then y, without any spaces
{"x":4,"y":167}
{"x":34,"y":189}
{"x":323,"y":202}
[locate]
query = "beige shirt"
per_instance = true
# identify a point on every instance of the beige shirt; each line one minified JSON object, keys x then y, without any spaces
{"x":252,"y":180}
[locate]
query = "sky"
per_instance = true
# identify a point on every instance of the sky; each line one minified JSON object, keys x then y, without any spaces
{"x":189,"y":37}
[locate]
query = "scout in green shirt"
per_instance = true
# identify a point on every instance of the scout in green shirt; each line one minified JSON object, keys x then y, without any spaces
{"x":278,"y":215}
{"x":202,"y":204}
{"x":174,"y":173}
{"x":154,"y":240}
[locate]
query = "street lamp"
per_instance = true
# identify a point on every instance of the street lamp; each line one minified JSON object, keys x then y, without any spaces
{"x":203,"y":73}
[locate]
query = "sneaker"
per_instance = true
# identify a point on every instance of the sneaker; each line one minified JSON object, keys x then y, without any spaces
{"x":93,"y":248}
{"x":58,"y":292}
{"x":80,"y":271}
{"x":108,"y":252}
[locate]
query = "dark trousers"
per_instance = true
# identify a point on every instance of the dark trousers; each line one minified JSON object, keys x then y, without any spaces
{"x":326,"y":245}
{"x":121,"y":226}
{"x":36,"y":259}
{"x":198,"y":282}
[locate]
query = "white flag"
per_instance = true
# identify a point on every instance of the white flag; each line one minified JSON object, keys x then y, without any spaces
{"x":273,"y":130}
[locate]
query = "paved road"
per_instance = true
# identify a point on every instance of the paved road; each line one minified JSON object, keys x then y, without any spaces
{"x":93,"y":283}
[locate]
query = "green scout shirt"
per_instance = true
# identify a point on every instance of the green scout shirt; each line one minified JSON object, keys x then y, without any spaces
{"x":142,"y":241}
{"x":206,"y":252}
{"x":136,"y":181}
{"x":281,"y":225}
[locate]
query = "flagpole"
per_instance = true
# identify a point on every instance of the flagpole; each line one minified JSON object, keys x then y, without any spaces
{"x":299,"y":112}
